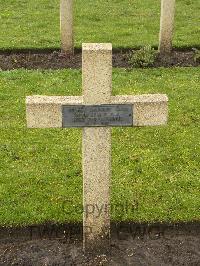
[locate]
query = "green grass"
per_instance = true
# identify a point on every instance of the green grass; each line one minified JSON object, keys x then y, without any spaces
{"x":156,"y":170}
{"x":35,"y":23}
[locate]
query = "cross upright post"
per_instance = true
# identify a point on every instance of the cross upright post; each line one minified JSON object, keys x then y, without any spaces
{"x":97,"y":85}
{"x":96,"y":112}
{"x":166,"y":26}
{"x":66,"y":26}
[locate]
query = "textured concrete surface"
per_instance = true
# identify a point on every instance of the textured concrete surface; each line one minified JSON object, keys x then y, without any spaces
{"x":66,"y":26}
{"x":96,"y":149}
{"x":148,"y":109}
{"x":45,"y":111}
{"x":166,"y":26}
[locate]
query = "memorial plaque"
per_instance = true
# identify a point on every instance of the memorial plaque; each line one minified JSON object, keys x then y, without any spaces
{"x":97,"y":115}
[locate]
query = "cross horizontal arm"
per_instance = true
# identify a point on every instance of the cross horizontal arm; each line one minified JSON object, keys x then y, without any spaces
{"x":46,"y":111}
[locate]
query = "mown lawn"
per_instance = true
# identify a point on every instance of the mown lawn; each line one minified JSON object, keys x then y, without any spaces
{"x":156,"y":170}
{"x":128,"y":23}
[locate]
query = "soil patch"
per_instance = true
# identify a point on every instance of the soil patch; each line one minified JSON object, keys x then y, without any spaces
{"x":49,"y":59}
{"x":131,"y":244}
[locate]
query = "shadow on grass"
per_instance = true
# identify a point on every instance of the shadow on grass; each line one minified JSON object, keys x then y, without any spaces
{"x":78,"y":50}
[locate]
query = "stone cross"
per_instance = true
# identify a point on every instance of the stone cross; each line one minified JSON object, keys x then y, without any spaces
{"x":66,"y":26}
{"x":166,"y":26}
{"x":96,"y":111}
